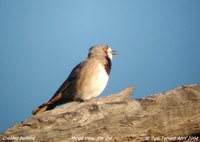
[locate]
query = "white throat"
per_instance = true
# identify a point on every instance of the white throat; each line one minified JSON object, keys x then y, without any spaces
{"x":109,"y":53}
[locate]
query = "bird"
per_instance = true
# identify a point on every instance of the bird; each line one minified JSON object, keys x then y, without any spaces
{"x":86,"y":81}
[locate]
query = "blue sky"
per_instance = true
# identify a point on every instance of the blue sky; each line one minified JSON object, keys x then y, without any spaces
{"x":158,"y":44}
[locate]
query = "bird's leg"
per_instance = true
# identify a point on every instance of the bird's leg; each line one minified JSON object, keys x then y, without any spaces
{"x":79,"y":100}
{"x":92,"y":100}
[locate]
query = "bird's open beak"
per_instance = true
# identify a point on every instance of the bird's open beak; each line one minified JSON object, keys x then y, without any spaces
{"x":113,"y":52}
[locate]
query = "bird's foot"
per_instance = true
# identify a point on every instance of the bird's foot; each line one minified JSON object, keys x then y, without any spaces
{"x":79,"y":100}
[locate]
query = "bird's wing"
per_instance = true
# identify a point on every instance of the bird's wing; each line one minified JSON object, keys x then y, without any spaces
{"x":74,"y":75}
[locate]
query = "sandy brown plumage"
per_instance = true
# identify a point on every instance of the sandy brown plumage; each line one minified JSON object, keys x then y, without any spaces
{"x":86,"y":81}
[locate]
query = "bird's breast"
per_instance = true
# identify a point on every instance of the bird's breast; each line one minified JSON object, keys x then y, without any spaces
{"x":93,"y":82}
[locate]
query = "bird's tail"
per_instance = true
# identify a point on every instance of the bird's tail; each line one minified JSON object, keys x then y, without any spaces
{"x":42,"y":108}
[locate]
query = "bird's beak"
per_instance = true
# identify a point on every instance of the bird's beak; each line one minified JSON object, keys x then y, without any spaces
{"x":113,"y":52}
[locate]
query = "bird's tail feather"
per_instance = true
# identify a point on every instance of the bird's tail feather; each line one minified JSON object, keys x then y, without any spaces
{"x":42,"y":108}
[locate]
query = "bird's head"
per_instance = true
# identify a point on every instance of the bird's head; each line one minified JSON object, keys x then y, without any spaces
{"x":101,"y":50}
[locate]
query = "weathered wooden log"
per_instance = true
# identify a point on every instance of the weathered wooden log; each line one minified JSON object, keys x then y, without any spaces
{"x":170,"y":116}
